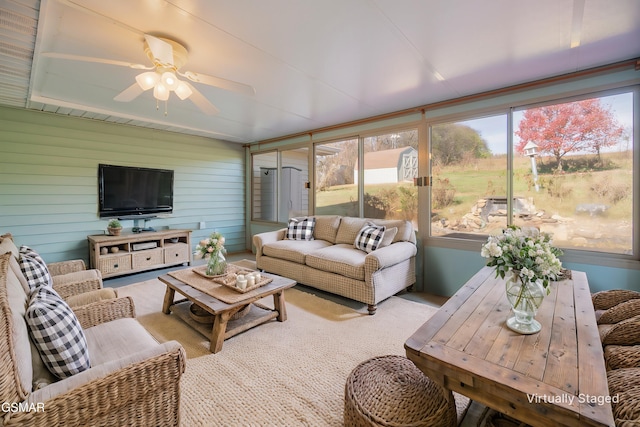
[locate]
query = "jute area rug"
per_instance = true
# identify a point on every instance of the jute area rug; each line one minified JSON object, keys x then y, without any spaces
{"x":281,"y":373}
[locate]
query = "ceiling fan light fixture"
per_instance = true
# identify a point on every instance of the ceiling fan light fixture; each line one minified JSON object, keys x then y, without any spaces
{"x":183,"y":90}
{"x":161,"y":92}
{"x":170,"y":80}
{"x":147,"y":80}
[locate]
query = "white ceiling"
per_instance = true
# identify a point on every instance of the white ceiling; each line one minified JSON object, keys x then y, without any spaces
{"x":313,"y":63}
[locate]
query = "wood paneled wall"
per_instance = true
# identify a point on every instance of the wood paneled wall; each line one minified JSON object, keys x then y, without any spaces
{"x":49,"y":187}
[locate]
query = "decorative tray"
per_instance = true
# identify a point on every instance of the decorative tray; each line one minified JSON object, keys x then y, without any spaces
{"x":231,"y":284}
{"x":201,"y":271}
{"x":228,"y":279}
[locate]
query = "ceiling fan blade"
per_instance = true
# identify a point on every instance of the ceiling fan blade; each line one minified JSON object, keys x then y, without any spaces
{"x":160,"y":49}
{"x":92,"y":59}
{"x":129,"y":94}
{"x":201,"y":102}
{"x":220,"y":82}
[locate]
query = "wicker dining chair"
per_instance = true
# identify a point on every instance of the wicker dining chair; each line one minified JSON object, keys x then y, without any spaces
{"x":604,"y":300}
{"x":624,"y":388}
{"x":626,"y":332}
{"x":619,"y":312}
{"x":622,"y":356}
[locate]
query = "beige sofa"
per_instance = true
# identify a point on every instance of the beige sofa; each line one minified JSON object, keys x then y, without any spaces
{"x":132,"y":379}
{"x":330,"y":261}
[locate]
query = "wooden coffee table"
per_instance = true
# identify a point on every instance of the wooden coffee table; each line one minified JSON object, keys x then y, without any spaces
{"x":554,"y":378}
{"x":223,"y":327}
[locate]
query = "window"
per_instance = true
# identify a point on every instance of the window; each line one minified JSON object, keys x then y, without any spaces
{"x":336,"y":191}
{"x":390,"y":165}
{"x":573,"y":165}
{"x":567,"y":169}
{"x":469,"y":170}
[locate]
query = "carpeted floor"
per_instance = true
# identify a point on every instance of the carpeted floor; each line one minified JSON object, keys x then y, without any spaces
{"x":279,"y":374}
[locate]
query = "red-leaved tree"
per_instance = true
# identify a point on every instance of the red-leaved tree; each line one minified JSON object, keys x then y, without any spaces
{"x":581,"y":126}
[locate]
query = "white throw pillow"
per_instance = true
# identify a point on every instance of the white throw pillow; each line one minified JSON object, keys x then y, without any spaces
{"x":300,"y":229}
{"x":369,"y":237}
{"x":57,"y":333}
{"x":389,"y":235}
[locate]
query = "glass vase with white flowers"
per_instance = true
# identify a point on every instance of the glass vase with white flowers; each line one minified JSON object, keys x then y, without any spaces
{"x":213,"y":249}
{"x":529,"y":262}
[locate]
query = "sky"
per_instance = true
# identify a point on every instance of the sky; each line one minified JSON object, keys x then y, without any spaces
{"x":494,"y":129}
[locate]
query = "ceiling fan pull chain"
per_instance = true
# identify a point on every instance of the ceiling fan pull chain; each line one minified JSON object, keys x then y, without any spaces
{"x":157,"y":104}
{"x":165,"y":108}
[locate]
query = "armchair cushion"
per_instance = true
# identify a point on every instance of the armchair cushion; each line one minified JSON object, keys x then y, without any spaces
{"x":107,"y":342}
{"x":34,"y":268}
{"x":57,"y":333}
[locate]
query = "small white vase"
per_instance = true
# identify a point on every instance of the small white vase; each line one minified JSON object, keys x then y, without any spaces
{"x":525,"y":297}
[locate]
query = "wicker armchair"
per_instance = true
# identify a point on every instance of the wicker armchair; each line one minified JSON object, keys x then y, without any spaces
{"x":70,"y":278}
{"x":73,"y":278}
{"x":133,"y":380}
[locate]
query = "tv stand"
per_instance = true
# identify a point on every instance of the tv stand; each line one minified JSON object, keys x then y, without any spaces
{"x":135,"y":252}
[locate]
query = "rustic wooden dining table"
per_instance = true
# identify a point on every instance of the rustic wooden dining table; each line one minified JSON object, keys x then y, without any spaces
{"x":556,"y":377}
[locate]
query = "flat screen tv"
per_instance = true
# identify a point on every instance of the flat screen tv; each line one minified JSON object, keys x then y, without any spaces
{"x":132,"y":191}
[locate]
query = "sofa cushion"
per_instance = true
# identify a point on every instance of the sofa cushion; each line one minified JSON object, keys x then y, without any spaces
{"x":7,"y":245}
{"x":107,"y":342}
{"x":57,"y":333}
{"x":327,"y":227}
{"x":293,"y":250}
{"x":369,"y":237}
{"x":349,"y":228}
{"x":300,"y":229}
{"x":342,"y":259}
{"x":34,"y":269}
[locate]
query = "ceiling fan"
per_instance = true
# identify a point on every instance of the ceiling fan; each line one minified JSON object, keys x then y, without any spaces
{"x":167,"y":57}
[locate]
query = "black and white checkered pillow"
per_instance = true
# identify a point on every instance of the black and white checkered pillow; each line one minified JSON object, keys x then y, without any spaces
{"x":34,"y":269}
{"x":57,"y":333}
{"x":369,"y":237}
{"x":301,"y":229}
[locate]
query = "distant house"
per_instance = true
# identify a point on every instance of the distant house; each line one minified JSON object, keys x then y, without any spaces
{"x":389,"y":166}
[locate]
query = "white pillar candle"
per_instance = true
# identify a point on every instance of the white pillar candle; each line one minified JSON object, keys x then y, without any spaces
{"x":251,"y":281}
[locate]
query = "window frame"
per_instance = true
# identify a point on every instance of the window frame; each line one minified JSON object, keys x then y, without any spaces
{"x":473,"y":242}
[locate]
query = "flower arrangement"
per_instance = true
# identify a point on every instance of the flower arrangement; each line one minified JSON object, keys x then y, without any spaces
{"x":213,"y":249}
{"x":527,"y":253}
